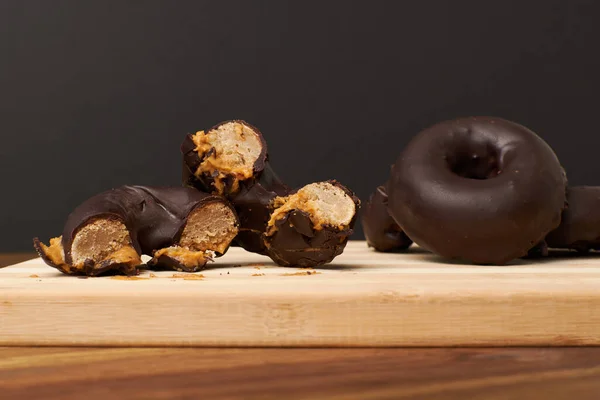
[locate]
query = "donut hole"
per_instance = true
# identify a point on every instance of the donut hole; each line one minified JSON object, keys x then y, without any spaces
{"x":474,"y":162}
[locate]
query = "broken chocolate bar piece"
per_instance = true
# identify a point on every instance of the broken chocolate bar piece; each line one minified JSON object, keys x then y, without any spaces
{"x":311,"y":226}
{"x":381,"y":231}
{"x":180,"y":227}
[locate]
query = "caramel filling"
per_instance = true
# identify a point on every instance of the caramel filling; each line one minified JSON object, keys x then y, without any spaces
{"x":229,"y":151}
{"x":55,"y":253}
{"x":125,"y":255}
{"x":189,"y":258}
{"x":326,"y":204}
{"x":210,"y":227}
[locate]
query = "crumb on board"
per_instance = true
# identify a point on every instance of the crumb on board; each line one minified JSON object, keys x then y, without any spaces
{"x":258,"y":274}
{"x":301,"y":273}
{"x":128,"y":278}
{"x":189,"y":277}
{"x":34,"y":276}
{"x":7,"y":303}
{"x":152,"y":275}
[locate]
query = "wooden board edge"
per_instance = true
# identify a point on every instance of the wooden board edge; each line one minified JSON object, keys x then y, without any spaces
{"x":355,"y":321}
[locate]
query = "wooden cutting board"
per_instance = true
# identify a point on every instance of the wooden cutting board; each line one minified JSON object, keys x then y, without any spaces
{"x":364,"y":298}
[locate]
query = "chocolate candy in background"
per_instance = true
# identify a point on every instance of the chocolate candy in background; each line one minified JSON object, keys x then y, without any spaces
{"x":385,"y":235}
{"x":108,"y":232}
{"x":481,"y":189}
{"x":580,"y":225}
{"x":231,"y":159}
{"x":381,"y":231}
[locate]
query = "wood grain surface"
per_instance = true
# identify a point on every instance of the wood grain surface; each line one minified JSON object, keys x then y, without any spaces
{"x":362,"y":299}
{"x":153,"y":373}
{"x":193,"y":373}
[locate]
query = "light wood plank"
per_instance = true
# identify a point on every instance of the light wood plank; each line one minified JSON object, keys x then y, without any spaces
{"x":362,"y":299}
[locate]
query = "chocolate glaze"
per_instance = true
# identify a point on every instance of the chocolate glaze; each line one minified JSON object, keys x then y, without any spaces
{"x":296,"y":243}
{"x":253,"y":205}
{"x":540,"y":250}
{"x":154,"y":217}
{"x":580,"y":225}
{"x":482,"y":189}
{"x":381,"y":231}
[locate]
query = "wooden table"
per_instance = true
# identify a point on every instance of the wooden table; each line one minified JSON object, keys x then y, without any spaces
{"x":458,"y":373}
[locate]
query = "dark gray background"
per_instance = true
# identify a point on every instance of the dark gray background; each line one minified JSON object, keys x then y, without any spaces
{"x":95,"y":94}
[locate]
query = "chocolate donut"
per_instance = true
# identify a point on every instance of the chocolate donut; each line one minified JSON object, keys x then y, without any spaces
{"x":179,"y":227}
{"x":306,"y":227}
{"x":481,"y":189}
{"x":580,"y":225}
{"x":381,"y":231}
